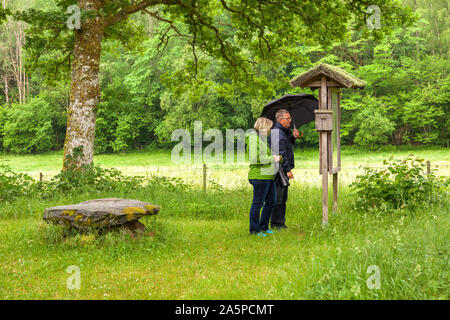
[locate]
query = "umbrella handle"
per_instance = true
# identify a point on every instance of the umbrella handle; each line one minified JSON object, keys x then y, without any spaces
{"x":301,"y":135}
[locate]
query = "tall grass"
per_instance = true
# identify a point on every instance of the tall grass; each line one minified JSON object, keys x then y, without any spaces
{"x":199,"y":247}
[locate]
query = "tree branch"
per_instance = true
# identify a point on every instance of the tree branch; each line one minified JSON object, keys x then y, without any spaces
{"x":125,"y":12}
{"x":216,"y":31}
{"x":250,"y":22}
{"x":170,"y":22}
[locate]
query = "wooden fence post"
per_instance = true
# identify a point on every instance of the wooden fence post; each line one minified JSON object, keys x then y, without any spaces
{"x":324,"y":179}
{"x":204,"y":177}
{"x":428,"y":169}
{"x":41,"y":176}
{"x":335,"y":192}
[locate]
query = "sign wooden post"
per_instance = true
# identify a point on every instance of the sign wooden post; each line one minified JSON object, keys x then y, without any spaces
{"x":328,"y":79}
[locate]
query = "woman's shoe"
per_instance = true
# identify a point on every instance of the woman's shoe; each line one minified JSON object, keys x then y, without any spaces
{"x":269,"y":231}
{"x":262,"y":234}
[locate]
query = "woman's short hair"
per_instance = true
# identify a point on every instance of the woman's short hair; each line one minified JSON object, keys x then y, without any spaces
{"x":263,"y":124}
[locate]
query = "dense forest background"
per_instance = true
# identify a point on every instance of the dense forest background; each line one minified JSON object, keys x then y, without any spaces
{"x":147,"y":93}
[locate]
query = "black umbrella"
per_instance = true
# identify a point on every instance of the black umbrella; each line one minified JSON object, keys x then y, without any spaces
{"x":300,"y":106}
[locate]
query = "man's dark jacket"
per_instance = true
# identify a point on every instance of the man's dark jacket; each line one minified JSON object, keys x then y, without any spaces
{"x":286,"y":141}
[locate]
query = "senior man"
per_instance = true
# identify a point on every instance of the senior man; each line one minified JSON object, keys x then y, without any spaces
{"x":282,"y":137}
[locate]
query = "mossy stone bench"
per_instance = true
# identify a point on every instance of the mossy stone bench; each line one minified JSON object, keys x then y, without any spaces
{"x":102,"y":213}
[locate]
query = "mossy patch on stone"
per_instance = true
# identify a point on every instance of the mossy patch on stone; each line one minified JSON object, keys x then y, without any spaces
{"x":69,"y":212}
{"x":151,"y":207}
{"x":133,"y":210}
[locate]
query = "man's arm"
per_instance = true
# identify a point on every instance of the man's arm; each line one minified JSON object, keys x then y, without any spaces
{"x":286,"y":164}
{"x":278,"y":138}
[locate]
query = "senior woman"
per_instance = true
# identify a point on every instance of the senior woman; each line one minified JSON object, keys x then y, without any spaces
{"x":261,"y":176}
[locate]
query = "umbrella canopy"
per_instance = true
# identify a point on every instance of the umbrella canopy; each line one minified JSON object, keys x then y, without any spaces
{"x":300,"y":106}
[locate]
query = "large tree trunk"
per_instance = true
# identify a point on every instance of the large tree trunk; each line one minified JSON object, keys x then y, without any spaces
{"x":85,"y":91}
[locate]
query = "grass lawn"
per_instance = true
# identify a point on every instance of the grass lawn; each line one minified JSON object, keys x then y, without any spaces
{"x":198,"y":247}
{"x":233,"y":175}
{"x":140,"y":161}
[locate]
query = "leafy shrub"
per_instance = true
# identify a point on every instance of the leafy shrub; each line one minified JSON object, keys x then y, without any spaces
{"x":92,"y":178}
{"x":28,"y":127}
{"x":126,"y":132}
{"x":400,"y":184}
{"x":374,"y":128}
{"x":89,"y":177}
{"x":170,"y":183}
{"x":13,"y":185}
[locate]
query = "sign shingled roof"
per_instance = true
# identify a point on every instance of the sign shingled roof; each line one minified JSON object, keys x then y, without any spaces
{"x":335,"y":73}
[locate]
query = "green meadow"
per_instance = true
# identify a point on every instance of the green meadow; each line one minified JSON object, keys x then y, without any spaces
{"x":198,"y":246}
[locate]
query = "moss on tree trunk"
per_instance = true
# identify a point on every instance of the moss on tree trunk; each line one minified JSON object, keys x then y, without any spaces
{"x":85,"y":91}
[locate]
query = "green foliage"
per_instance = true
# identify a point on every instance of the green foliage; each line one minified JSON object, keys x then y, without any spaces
{"x":400,"y":184}
{"x":126,"y":132}
{"x":14,"y":185}
{"x":218,"y":65}
{"x":4,"y":14}
{"x":50,"y":43}
{"x":434,"y":25}
{"x":374,"y":128}
{"x":407,"y":87}
{"x":130,"y":108}
{"x":427,"y":113}
{"x":71,"y":181}
{"x":57,"y":99}
{"x":90,"y":179}
{"x":28,"y":128}
{"x":310,"y":137}
{"x":210,"y":108}
{"x":242,"y":35}
{"x":171,"y":184}
{"x":3,"y":118}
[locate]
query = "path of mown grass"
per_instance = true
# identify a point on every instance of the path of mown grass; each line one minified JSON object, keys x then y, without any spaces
{"x":199,"y":248}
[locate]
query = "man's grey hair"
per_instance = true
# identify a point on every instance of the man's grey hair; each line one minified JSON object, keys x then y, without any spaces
{"x":280,"y":114}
